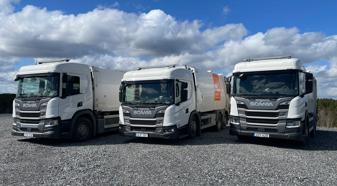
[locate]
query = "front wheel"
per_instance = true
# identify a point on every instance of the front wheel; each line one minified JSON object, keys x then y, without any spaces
{"x":219,"y":123}
{"x":306,"y":133}
{"x":314,"y":130}
{"x":192,"y":127}
{"x":82,"y":130}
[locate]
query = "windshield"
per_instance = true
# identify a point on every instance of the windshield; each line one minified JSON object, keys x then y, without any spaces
{"x":38,"y":86}
{"x":148,"y":92}
{"x":276,"y":83}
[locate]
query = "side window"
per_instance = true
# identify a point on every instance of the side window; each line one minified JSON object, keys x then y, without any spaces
{"x":70,"y":85}
{"x":74,"y":85}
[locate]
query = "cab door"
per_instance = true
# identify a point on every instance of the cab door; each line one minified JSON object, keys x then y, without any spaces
{"x":74,"y":89}
{"x":183,"y":101}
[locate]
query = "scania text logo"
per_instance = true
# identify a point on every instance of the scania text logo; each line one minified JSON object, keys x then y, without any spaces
{"x":29,"y":105}
{"x":142,"y":112}
{"x":261,"y":103}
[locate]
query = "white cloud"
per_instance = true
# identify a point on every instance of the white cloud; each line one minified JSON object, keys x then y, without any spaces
{"x":6,"y":6}
{"x":112,"y":38}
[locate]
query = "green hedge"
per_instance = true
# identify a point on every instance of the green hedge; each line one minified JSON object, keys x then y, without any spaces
{"x":327,"y":113}
{"x":6,"y":103}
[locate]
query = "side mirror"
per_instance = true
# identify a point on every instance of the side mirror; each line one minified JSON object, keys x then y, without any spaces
{"x":64,"y":85}
{"x":309,"y":83}
{"x":121,"y":93}
{"x":228,"y":84}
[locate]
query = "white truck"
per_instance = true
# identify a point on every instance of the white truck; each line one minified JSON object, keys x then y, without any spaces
{"x":60,"y":99}
{"x":172,"y":102}
{"x":273,"y":98}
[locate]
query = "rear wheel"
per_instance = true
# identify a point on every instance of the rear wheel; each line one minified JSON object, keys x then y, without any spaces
{"x":82,"y":129}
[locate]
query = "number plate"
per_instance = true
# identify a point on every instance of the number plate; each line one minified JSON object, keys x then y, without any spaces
{"x":261,"y":135}
{"x":28,"y":134}
{"x":142,"y":135}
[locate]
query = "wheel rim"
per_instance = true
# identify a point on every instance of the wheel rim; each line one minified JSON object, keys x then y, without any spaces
{"x":82,"y":131}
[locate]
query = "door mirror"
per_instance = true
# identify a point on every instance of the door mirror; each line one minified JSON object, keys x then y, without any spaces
{"x":64,"y":85}
{"x":121,"y":93}
{"x":228,"y":85}
{"x":309,"y":79}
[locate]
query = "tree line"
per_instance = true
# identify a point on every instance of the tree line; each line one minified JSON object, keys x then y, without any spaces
{"x":327,"y":109}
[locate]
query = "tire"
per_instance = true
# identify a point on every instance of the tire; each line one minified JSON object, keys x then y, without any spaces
{"x":192,"y":127}
{"x":219,"y":123}
{"x":225,"y":123}
{"x":306,"y":132}
{"x":314,"y":130}
{"x":83,"y":129}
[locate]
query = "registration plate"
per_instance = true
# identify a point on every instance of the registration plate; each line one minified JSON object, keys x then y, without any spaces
{"x":261,"y":135}
{"x":142,"y":135}
{"x":28,"y":134}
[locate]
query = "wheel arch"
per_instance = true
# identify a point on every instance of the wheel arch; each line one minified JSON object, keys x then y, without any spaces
{"x":84,"y":113}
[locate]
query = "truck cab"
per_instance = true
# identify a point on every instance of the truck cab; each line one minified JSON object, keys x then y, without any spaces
{"x":273,"y":98}
{"x":57,"y":99}
{"x":170,"y":102}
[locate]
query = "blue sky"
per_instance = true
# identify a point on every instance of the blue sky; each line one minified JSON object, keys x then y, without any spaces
{"x":257,"y":15}
{"x":126,"y":34}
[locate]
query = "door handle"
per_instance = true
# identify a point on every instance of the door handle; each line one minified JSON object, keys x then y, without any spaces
{"x":186,"y":111}
{"x":80,"y":104}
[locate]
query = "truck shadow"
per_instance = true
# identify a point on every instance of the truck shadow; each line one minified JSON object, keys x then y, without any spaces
{"x":109,"y":138}
{"x":324,"y":140}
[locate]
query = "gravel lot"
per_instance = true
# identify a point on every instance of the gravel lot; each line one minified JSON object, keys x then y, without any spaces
{"x":215,"y":158}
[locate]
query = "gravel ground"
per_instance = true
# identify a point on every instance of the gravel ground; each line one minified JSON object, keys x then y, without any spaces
{"x":215,"y":158}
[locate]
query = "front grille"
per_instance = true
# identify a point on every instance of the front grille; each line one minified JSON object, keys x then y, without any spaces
{"x":262,"y":114}
{"x":142,"y":122}
{"x":29,"y":121}
{"x":266,"y":121}
{"x":29,"y":115}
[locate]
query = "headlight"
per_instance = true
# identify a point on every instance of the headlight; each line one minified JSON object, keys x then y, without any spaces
{"x":285,"y":103}
{"x":51,"y":122}
{"x":234,"y":120}
{"x":293,"y":123}
{"x":240,"y":102}
{"x":44,"y":105}
{"x":15,"y":121}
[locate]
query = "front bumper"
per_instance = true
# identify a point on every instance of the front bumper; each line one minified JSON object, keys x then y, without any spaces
{"x":62,"y":130}
{"x":289,"y":133}
{"x":156,"y":132}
